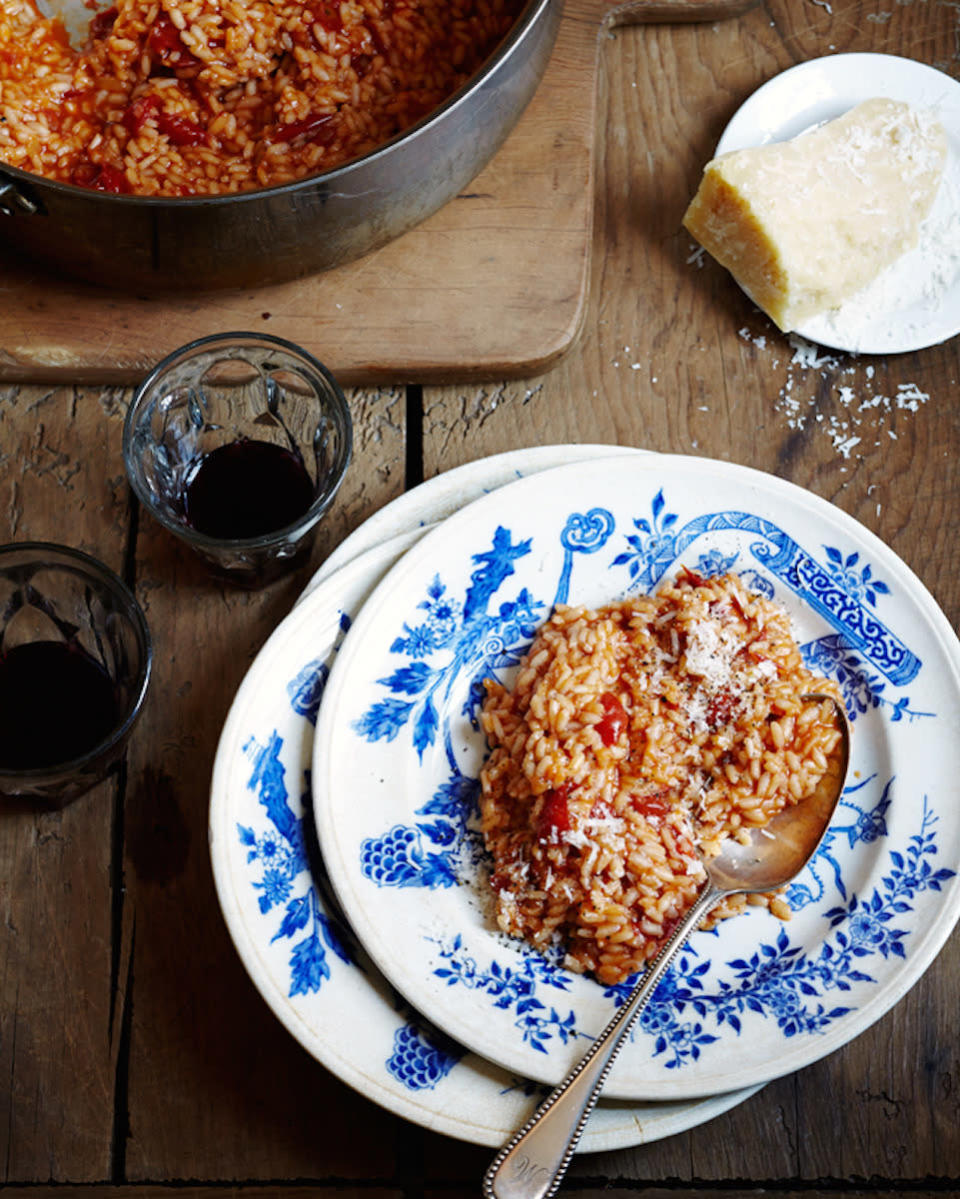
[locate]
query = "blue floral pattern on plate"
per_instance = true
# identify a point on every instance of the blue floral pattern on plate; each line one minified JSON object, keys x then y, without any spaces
{"x":778,"y":981}
{"x":463,"y":606}
{"x":489,"y":640}
{"x":287,"y":879}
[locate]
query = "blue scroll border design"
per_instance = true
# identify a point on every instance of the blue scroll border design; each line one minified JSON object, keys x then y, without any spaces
{"x":784,"y":558}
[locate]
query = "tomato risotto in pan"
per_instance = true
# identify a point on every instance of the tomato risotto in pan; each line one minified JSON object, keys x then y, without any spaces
{"x":204,"y":97}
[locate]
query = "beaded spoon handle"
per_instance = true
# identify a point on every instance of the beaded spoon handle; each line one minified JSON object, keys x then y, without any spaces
{"x":533,"y":1163}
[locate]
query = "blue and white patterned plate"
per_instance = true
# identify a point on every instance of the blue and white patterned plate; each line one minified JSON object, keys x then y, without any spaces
{"x":397,"y":756}
{"x":298,"y":950}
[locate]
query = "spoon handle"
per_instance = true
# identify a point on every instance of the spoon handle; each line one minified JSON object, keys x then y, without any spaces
{"x":533,"y":1163}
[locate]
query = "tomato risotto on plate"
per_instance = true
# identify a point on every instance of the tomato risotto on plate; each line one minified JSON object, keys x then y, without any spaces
{"x":635,"y":738}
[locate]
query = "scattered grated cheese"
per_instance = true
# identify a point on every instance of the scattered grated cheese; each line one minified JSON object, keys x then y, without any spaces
{"x":861,"y":415}
{"x":609,"y":824}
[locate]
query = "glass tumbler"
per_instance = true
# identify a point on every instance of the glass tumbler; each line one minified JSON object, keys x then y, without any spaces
{"x":237,"y":443}
{"x":75,"y":659}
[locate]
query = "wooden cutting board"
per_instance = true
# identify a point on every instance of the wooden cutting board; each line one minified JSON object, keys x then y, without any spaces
{"x":491,"y":286}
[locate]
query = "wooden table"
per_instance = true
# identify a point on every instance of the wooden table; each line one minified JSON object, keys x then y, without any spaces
{"x":135,"y":1053}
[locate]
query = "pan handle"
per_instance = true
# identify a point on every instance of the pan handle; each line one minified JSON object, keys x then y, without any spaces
{"x":653,"y":12}
{"x":14,"y":199}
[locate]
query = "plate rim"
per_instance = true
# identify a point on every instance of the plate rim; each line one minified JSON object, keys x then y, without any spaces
{"x":438,"y":490}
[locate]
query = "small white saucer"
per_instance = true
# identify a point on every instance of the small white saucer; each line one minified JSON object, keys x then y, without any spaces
{"x":915,"y":302}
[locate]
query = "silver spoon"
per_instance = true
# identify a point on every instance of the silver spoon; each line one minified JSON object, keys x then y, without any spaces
{"x":533,"y":1163}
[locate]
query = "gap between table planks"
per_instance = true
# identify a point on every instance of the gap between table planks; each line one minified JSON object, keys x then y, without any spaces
{"x":493,"y":285}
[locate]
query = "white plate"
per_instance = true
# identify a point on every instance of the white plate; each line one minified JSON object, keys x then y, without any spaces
{"x":396,"y":760}
{"x":916,"y":301}
{"x":298,"y":951}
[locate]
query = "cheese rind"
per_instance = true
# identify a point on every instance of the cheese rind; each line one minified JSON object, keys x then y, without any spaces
{"x":805,"y":224}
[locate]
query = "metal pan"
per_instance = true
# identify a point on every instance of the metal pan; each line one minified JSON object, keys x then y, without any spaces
{"x":144,"y":244}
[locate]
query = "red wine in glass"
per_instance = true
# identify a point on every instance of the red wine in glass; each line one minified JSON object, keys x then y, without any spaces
{"x":247,"y":488}
{"x":56,"y":704}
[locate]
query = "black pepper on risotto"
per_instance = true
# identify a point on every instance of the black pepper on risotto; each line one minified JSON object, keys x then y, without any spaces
{"x":201,"y":97}
{"x":633,"y":736}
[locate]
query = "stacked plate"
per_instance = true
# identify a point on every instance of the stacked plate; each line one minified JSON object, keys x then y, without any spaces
{"x":342,"y":826}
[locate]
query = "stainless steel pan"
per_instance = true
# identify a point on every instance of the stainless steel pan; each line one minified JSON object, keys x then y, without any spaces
{"x":142,"y":244}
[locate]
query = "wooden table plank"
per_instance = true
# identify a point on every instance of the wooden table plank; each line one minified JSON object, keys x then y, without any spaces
{"x":299,"y":1191}
{"x":60,"y":967}
{"x":198,"y":1191}
{"x":592,"y":1190}
{"x":216,"y":1088}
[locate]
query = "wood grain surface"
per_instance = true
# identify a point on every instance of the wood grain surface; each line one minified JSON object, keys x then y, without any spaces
{"x":136,"y":1056}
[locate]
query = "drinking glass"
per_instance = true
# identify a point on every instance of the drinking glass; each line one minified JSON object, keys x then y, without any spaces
{"x":231,"y":390}
{"x":63,"y":603}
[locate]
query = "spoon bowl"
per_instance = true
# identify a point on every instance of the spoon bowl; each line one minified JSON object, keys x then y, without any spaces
{"x":775,"y":853}
{"x":533,"y":1163}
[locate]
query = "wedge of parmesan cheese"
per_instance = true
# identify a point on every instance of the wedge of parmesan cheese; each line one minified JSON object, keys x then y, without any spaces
{"x":805,"y":224}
